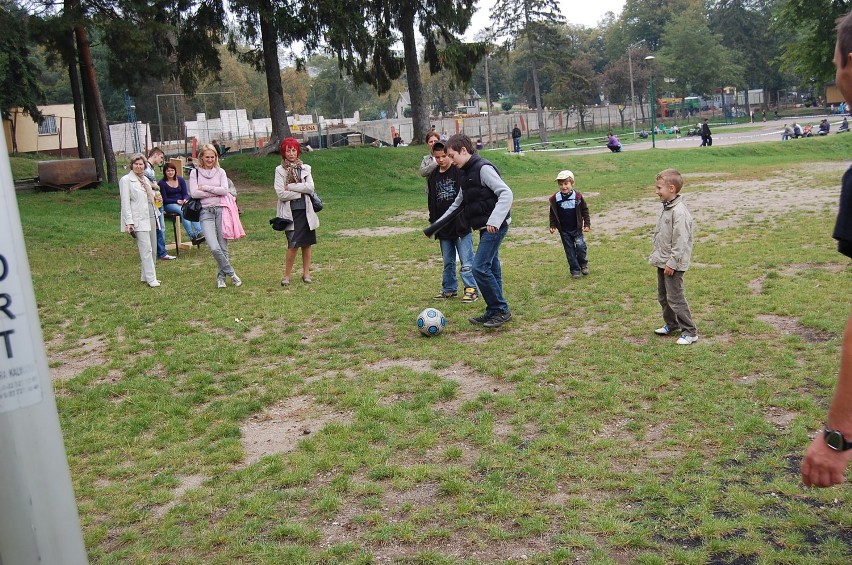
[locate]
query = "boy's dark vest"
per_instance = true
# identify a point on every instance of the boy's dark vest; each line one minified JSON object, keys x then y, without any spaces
{"x":479,"y":201}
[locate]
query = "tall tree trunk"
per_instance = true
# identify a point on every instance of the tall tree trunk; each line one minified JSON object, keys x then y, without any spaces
{"x":79,"y":123}
{"x":87,"y":69}
{"x":539,"y":110}
{"x":419,"y":109}
{"x":95,"y":145}
{"x":274,"y":88}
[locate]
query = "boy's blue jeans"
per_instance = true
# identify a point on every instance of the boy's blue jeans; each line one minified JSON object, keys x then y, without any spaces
{"x":464,"y":247}
{"x":488,"y":272}
{"x":517,"y":143}
{"x":575,"y":250}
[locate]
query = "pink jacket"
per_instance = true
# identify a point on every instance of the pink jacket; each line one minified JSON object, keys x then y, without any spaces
{"x":232,"y":228}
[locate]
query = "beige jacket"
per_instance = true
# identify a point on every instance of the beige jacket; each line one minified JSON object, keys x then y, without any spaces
{"x":673,"y":237}
{"x":289,"y":192}
{"x":135,"y":201}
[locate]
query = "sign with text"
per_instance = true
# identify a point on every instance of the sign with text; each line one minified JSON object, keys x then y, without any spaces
{"x":19,"y":379}
{"x":304,"y":128}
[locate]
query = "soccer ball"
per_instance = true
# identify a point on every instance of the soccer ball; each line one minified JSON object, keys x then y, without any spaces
{"x":431,"y":322}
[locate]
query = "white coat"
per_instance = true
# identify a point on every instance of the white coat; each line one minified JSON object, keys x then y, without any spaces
{"x":135,"y":201}
{"x":292,"y":191}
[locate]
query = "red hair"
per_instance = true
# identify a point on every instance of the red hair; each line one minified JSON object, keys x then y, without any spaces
{"x":288,"y":143}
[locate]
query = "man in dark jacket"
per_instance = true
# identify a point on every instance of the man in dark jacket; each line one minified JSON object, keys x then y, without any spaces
{"x":516,"y":138}
{"x":706,"y":134}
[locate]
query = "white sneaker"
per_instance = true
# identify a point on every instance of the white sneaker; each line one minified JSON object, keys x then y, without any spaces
{"x":236,"y":280}
{"x":687,"y":339}
{"x":220,"y":282}
{"x":154,"y":284}
{"x":665,"y":330}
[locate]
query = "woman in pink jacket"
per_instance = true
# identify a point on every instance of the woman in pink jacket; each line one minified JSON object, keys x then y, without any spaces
{"x":208,"y":182}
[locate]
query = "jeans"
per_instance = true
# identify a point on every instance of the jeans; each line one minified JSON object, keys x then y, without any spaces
{"x":517,"y":142}
{"x":193,"y":229}
{"x":575,"y":250}
{"x":449,"y":247}
{"x":211,"y":226}
{"x":488,"y":272}
{"x":676,"y":313}
{"x":161,"y":243}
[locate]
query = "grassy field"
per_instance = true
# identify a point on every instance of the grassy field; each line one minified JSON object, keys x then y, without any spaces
{"x":313,"y":424}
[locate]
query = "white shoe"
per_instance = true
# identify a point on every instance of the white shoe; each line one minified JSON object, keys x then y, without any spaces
{"x":220,"y":282}
{"x":687,"y":339}
{"x":154,"y":284}
{"x":665,"y":330}
{"x":236,"y":280}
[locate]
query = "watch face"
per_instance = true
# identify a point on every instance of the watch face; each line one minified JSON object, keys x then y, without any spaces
{"x":834,"y":440}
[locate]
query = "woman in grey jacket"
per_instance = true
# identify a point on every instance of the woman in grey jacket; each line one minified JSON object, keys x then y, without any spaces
{"x":137,"y":215}
{"x":294,"y":186}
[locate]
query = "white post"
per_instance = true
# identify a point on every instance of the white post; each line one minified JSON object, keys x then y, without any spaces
{"x":39,"y":523}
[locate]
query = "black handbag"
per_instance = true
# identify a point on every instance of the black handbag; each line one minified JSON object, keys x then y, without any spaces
{"x":280,"y":224}
{"x":191,"y":209}
{"x":316,"y":201}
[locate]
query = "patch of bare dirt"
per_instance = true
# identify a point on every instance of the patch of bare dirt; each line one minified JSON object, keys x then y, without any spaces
{"x":471,"y":383}
{"x":379,"y":231}
{"x":90,"y":352}
{"x":779,"y":417}
{"x":791,"y":326}
{"x":185,"y":483}
{"x":794,"y":268}
{"x":410,"y":216}
{"x":527,"y":236}
{"x":756,"y":285}
{"x":727,"y":205}
{"x":279,"y":428}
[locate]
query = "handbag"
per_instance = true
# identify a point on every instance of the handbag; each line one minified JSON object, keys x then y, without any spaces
{"x":191,"y":209}
{"x":280,"y":224}
{"x":316,"y":201}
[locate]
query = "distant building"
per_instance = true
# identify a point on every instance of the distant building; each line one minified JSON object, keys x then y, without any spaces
{"x":56,"y":135}
{"x":403,"y":102}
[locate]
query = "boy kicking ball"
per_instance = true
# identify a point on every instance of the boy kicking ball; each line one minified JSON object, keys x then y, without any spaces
{"x":671,"y":255}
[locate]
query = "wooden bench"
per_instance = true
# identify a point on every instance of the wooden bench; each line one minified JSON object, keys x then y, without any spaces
{"x":67,"y":174}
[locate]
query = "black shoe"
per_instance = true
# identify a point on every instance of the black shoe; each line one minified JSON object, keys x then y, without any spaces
{"x":198,"y":240}
{"x":497,"y":320}
{"x":479,"y":320}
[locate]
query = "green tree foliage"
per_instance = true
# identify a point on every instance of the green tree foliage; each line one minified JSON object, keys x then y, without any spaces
{"x":18,"y":83}
{"x":647,"y":19}
{"x":745,"y":27}
{"x":534,"y":21}
{"x":362,"y":35}
{"x":693,"y":58}
{"x":806,"y":31}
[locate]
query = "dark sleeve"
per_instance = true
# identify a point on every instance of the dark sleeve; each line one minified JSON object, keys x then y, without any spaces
{"x":184,"y":192}
{"x":584,"y":210}
{"x":164,"y":191}
{"x":553,"y":220}
{"x":430,"y":194}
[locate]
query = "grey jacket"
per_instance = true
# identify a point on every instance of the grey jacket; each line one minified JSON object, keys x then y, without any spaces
{"x":673,"y":237}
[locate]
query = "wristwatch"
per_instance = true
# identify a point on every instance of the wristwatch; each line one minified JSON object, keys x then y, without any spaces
{"x":835,"y":440}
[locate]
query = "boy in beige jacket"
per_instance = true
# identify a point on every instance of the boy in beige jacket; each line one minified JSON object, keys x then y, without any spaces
{"x":671,"y":255}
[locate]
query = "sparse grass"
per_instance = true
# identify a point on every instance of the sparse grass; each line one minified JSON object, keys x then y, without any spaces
{"x":585,"y":439}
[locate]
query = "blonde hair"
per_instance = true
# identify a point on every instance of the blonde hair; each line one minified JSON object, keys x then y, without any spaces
{"x":208,"y":147}
{"x":672,"y":177}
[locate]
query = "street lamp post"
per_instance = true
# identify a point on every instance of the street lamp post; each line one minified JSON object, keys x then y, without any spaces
{"x":632,"y":94}
{"x":653,"y":107}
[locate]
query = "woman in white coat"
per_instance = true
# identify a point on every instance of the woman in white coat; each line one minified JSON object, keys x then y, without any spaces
{"x":294,"y":186}
{"x":137,"y":215}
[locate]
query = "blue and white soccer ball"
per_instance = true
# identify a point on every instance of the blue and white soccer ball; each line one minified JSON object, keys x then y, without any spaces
{"x":431,"y":322}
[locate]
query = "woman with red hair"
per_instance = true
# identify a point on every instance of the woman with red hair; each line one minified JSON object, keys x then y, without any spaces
{"x":294,"y":186}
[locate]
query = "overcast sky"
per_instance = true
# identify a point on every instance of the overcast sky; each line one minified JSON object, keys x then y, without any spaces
{"x":585,"y":12}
